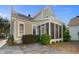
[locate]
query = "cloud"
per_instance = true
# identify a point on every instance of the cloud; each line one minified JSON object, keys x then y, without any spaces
{"x":4,"y":16}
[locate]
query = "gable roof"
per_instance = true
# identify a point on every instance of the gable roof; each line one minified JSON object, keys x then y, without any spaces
{"x":74,"y":21}
{"x":44,"y":13}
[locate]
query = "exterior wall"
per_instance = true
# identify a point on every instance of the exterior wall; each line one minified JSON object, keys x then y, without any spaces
{"x":28,"y":27}
{"x":74,"y":32}
{"x":15,"y":28}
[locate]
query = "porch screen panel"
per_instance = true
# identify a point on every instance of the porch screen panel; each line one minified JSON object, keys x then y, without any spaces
{"x":47,"y":28}
{"x":60,"y":31}
{"x":56,"y":31}
{"x":52,"y":30}
{"x":42,"y":29}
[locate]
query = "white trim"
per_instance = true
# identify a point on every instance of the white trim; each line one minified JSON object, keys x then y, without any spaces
{"x":46,"y":21}
{"x":54,"y":31}
{"x":19,"y":27}
{"x":49,"y":28}
{"x":49,"y":18}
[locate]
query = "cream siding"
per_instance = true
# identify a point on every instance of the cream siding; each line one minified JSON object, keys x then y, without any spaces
{"x":28,"y":27}
{"x":15,"y":28}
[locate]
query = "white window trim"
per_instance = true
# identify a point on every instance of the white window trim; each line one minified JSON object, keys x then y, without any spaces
{"x":19,"y":28}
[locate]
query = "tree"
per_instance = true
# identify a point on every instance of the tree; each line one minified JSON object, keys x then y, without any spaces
{"x":66,"y":35}
{"x":4,"y":26}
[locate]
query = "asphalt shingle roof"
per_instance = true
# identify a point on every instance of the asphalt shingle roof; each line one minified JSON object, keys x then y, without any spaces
{"x":21,"y":16}
{"x":74,"y":21}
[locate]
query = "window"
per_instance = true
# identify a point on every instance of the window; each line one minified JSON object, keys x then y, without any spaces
{"x":21,"y":27}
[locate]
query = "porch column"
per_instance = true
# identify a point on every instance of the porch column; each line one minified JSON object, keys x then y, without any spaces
{"x":50,"y":29}
{"x":54,"y":31}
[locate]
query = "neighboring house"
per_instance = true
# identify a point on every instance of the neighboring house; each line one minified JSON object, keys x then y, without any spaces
{"x":74,"y":28}
{"x":44,"y":22}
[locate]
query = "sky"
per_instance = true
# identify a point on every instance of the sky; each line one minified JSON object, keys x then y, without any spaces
{"x":63,"y":12}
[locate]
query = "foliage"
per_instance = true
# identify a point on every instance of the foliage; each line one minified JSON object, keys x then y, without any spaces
{"x":4,"y":26}
{"x":45,"y":39}
{"x":10,"y":40}
{"x":2,"y":36}
{"x":66,"y":35}
{"x":37,"y":38}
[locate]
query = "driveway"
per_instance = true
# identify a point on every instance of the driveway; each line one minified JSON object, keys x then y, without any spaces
{"x":29,"y":49}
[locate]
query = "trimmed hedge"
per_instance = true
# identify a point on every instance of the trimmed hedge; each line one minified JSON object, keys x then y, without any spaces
{"x":27,"y":39}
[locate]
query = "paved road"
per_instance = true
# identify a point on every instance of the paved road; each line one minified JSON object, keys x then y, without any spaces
{"x":29,"y":49}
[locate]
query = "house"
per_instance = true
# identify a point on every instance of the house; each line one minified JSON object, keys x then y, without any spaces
{"x":43,"y":22}
{"x":74,"y":28}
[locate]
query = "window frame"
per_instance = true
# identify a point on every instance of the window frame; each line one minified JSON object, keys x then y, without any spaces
{"x":19,"y":34}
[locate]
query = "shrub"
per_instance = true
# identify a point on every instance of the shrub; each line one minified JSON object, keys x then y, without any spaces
{"x":45,"y":39}
{"x":27,"y":39}
{"x":37,"y":38}
{"x":2,"y":36}
{"x":66,"y":37}
{"x":10,"y":40}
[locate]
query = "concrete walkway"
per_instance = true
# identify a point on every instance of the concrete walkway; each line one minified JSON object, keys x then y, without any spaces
{"x":29,"y":49}
{"x":2,"y":43}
